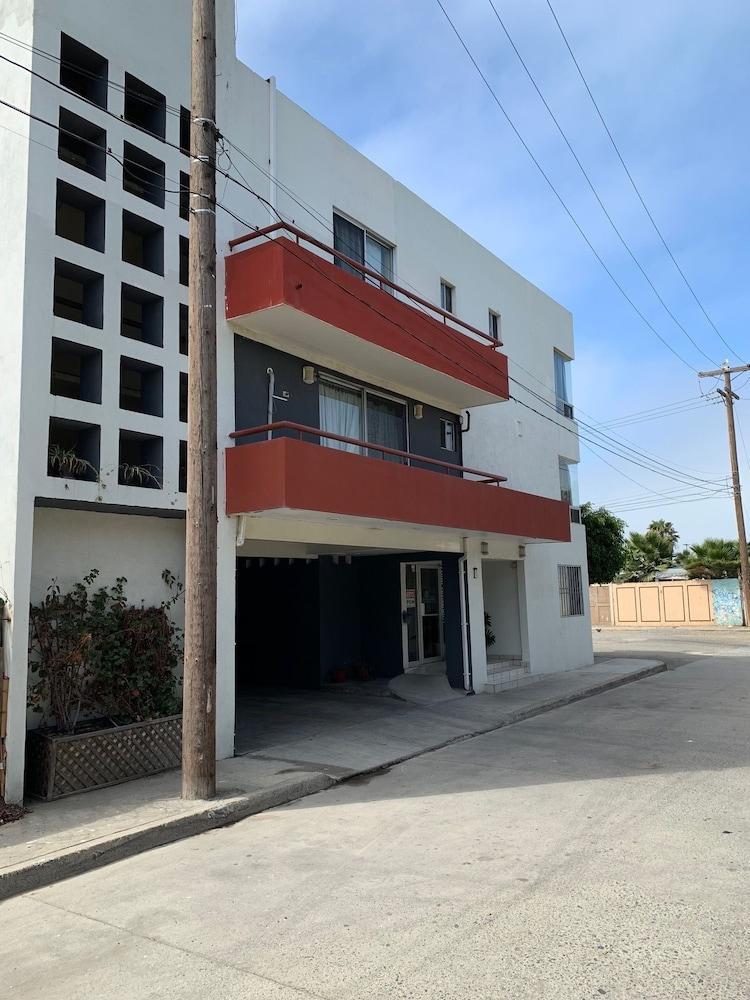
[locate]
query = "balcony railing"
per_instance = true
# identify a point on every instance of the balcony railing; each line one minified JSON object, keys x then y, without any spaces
{"x":449,"y":319}
{"x":367,"y":446}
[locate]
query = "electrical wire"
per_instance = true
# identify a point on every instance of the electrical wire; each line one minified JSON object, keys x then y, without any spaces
{"x":559,"y":197}
{"x":289,"y":249}
{"x":635,"y":187}
{"x":594,"y":191}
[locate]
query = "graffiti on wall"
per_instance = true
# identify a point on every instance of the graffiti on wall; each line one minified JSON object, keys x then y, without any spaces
{"x":727,"y":602}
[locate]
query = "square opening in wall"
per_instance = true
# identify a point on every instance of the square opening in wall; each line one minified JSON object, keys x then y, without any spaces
{"x":143,"y":175}
{"x":185,"y":131}
{"x":82,"y":144}
{"x":79,"y":294}
{"x":184,"y":260}
{"x":184,"y":195}
{"x":140,"y":460}
{"x":79,"y":216}
{"x":183,"y":397}
{"x":83,"y":71}
{"x":145,"y":107}
{"x":142,"y":243}
{"x":142,"y":315}
{"x":141,"y":387}
{"x":73,"y":451}
{"x":76,"y":371}
{"x":182,"y":473}
{"x":184,"y":328}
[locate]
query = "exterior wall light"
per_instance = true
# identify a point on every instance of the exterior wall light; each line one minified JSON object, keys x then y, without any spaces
{"x":485,"y":548}
{"x":418,"y":411}
{"x":308,"y":374}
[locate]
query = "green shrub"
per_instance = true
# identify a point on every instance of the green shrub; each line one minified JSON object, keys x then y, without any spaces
{"x":93,"y":654}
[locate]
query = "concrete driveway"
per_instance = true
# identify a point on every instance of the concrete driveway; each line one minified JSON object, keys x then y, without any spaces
{"x":597,"y":851}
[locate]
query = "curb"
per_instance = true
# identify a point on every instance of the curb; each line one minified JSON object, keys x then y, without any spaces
{"x":45,"y":872}
{"x":37,"y":875}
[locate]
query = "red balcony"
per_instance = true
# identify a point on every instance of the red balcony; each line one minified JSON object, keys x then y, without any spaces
{"x":285,"y":475}
{"x":287,"y":296}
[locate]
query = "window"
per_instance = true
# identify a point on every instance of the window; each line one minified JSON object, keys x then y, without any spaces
{"x":447,"y":296}
{"x":563,"y":392}
{"x":356,"y":413}
{"x":141,"y":316}
{"x":569,"y":482}
{"x":83,"y":71}
{"x":140,"y":460}
{"x":448,"y":435}
{"x":145,"y":107}
{"x":355,"y":242}
{"x":185,"y":131}
{"x":571,"y":591}
{"x":184,"y":195}
{"x":82,"y":144}
{"x":76,"y":371}
{"x":184,"y":260}
{"x":184,"y":328}
{"x":141,"y":387}
{"x":79,"y":216}
{"x":143,"y":175}
{"x":494,"y":325}
{"x":73,"y":450}
{"x":79,"y":294}
{"x":142,"y":243}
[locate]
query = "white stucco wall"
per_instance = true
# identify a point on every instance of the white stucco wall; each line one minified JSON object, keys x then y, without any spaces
{"x":152,"y":41}
{"x":501,"y":602}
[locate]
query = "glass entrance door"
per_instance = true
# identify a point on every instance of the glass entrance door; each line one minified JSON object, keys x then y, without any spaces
{"x":422,"y":613}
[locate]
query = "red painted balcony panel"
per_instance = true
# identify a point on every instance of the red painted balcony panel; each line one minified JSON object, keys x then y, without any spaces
{"x":287,"y":474}
{"x":288,"y":296}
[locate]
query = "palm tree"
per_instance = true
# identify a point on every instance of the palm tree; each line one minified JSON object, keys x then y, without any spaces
{"x":714,"y":558}
{"x":665,"y":530}
{"x":646,"y":554}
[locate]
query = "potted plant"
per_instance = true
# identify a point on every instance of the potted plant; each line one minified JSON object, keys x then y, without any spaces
{"x":104,"y":676}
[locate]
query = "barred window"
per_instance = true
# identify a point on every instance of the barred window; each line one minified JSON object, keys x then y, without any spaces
{"x":571,"y":591}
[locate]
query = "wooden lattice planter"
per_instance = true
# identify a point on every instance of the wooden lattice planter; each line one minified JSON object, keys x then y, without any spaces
{"x":59,"y":765}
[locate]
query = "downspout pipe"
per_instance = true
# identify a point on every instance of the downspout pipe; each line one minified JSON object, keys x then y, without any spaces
{"x":463,"y":571}
{"x":271,"y":390}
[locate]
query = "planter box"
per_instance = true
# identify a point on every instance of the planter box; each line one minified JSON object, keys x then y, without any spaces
{"x":58,"y":765}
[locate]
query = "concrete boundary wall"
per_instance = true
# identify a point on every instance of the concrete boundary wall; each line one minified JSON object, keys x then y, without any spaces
{"x":670,"y":604}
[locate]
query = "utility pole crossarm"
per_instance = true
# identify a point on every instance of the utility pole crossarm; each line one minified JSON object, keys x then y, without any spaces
{"x":729,"y":397}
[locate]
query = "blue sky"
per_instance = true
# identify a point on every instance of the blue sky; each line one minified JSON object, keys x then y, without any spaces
{"x":672,"y":81}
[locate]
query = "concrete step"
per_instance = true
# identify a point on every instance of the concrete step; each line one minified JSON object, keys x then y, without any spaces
{"x":516,"y":667}
{"x":508,"y":678}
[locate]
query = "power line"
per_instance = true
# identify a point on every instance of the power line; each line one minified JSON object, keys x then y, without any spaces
{"x":574,"y":431}
{"x":557,"y":194}
{"x":620,"y":157}
{"x":594,"y":191}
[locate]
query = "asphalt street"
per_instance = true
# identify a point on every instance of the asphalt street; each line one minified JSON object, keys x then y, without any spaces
{"x":597,"y":851}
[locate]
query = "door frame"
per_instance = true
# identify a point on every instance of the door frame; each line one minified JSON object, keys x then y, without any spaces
{"x":419,"y":565}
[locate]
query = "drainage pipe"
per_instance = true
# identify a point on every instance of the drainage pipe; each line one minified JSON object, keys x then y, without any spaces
{"x":463,"y":573}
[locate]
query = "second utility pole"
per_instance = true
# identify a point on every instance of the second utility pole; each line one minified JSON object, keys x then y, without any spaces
{"x":199,"y":681}
{"x":729,"y":397}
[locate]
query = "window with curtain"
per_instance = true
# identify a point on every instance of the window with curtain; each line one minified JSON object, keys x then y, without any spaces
{"x":341,"y":413}
{"x":386,"y":425}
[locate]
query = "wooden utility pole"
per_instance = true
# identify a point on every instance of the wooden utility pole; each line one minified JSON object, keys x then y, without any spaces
{"x":199,"y":685}
{"x":729,"y":397}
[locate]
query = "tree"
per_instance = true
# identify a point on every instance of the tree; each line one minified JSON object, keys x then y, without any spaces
{"x":667,"y":531}
{"x":714,"y":558}
{"x":605,"y":543}
{"x":646,"y":554}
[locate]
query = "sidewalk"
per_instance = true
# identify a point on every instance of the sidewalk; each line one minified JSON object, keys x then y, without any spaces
{"x":345,"y":736}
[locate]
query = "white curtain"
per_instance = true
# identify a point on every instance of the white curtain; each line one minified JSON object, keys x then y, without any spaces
{"x":340,"y":413}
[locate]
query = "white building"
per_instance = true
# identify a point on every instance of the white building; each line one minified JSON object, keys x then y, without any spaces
{"x":328,"y":556}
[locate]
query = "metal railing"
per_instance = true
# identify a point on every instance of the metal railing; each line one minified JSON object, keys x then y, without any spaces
{"x":368,"y":272}
{"x":288,"y":425}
